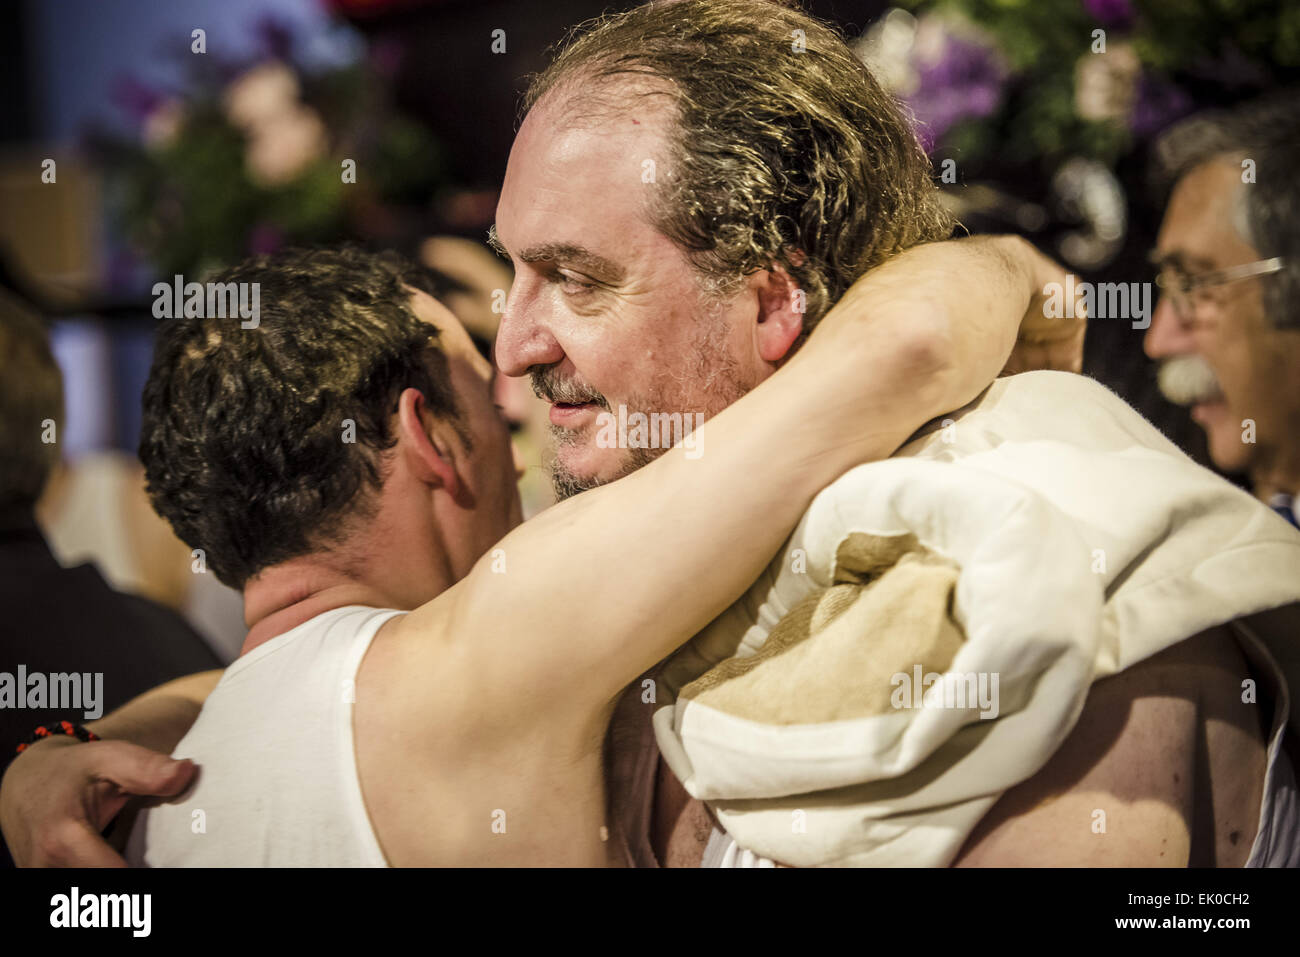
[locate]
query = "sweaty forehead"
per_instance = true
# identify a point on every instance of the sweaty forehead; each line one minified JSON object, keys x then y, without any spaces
{"x":586,"y":183}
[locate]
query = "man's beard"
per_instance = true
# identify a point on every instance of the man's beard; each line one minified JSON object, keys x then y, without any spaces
{"x":1187,"y":380}
{"x":715,"y":373}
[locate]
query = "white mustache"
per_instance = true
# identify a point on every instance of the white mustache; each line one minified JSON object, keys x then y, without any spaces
{"x":1187,"y":380}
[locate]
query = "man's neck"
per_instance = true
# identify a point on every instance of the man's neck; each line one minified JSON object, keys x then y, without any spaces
{"x":276,"y":622}
{"x":284,"y":596}
{"x":396,"y":560}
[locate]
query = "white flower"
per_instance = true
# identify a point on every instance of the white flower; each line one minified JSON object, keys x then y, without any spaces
{"x":279,"y":150}
{"x":1105,"y":84}
{"x":163,"y":125}
{"x":265,"y":93}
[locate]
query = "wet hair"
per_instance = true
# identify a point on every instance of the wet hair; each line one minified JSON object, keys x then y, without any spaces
{"x":245,"y":439}
{"x":784,"y":148}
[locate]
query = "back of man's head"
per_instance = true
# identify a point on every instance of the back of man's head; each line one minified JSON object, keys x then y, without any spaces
{"x":785,"y":150}
{"x":31,"y":405}
{"x":264,"y":444}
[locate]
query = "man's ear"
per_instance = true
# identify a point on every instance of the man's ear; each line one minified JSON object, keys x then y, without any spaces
{"x":781,"y":308}
{"x":423,"y":444}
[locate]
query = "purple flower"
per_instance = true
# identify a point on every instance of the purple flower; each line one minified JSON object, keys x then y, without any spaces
{"x":264,"y":239}
{"x":1158,"y":104}
{"x":1113,"y":13}
{"x":276,"y":37}
{"x":136,"y":98}
{"x":965,"y":82}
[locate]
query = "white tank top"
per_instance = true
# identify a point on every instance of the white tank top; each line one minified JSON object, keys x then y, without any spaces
{"x":278,"y":783}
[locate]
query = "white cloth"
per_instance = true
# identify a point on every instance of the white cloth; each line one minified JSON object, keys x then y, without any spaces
{"x":1086,"y":542}
{"x":278,"y":783}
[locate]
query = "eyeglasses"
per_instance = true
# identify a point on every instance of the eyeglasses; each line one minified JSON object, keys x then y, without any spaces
{"x":1187,"y":292}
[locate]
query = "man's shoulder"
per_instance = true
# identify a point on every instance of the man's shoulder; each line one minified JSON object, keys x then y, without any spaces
{"x":1122,"y":790}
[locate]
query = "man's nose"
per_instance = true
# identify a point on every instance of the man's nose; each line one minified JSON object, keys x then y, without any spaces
{"x":1167,"y":336}
{"x":524,"y":339}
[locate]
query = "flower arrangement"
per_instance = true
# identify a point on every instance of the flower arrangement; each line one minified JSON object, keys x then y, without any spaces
{"x":261,"y":153}
{"x":1046,"y":106}
{"x":1019,"y":79}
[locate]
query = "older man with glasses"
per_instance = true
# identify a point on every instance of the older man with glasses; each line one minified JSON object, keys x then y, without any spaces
{"x":1227,"y":327}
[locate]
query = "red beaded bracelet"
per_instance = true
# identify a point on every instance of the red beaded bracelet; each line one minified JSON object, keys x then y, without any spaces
{"x":63,"y":727}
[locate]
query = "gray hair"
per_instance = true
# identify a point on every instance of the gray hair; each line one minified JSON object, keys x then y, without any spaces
{"x":1267,"y":132}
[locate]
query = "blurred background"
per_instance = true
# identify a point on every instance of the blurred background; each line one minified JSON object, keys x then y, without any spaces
{"x":169,"y":161}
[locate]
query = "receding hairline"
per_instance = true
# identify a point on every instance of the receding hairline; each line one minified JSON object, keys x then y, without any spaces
{"x":587,"y":94}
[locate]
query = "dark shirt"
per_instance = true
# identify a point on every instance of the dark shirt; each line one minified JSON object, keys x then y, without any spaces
{"x":56,"y":620}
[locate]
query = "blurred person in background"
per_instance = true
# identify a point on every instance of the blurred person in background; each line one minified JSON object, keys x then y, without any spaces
{"x":94,"y":510}
{"x":475,"y":281}
{"x":59,"y":620}
{"x":1226,"y":330}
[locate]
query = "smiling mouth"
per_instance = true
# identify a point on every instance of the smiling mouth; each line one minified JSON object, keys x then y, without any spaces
{"x":570,"y":414}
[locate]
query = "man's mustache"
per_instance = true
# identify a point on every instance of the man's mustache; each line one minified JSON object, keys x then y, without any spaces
{"x":550,"y":385}
{"x":1187,"y":380}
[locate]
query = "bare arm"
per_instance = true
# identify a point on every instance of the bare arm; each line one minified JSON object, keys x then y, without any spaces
{"x":160,"y":717}
{"x":59,"y":794}
{"x":602,"y":586}
{"x":1116,"y":794}
{"x":1164,"y":768}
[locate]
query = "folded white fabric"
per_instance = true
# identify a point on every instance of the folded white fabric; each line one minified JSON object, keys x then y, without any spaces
{"x":928,"y":635}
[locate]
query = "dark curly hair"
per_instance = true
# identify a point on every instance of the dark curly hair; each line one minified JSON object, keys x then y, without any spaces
{"x":785,"y":148}
{"x":243,"y":433}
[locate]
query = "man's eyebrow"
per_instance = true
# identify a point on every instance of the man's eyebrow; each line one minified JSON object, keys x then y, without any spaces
{"x":564,"y":254}
{"x":1180,"y":260}
{"x":570,"y":254}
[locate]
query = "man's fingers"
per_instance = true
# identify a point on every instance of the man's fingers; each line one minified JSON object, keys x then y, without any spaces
{"x":138,"y":770}
{"x":76,"y":843}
